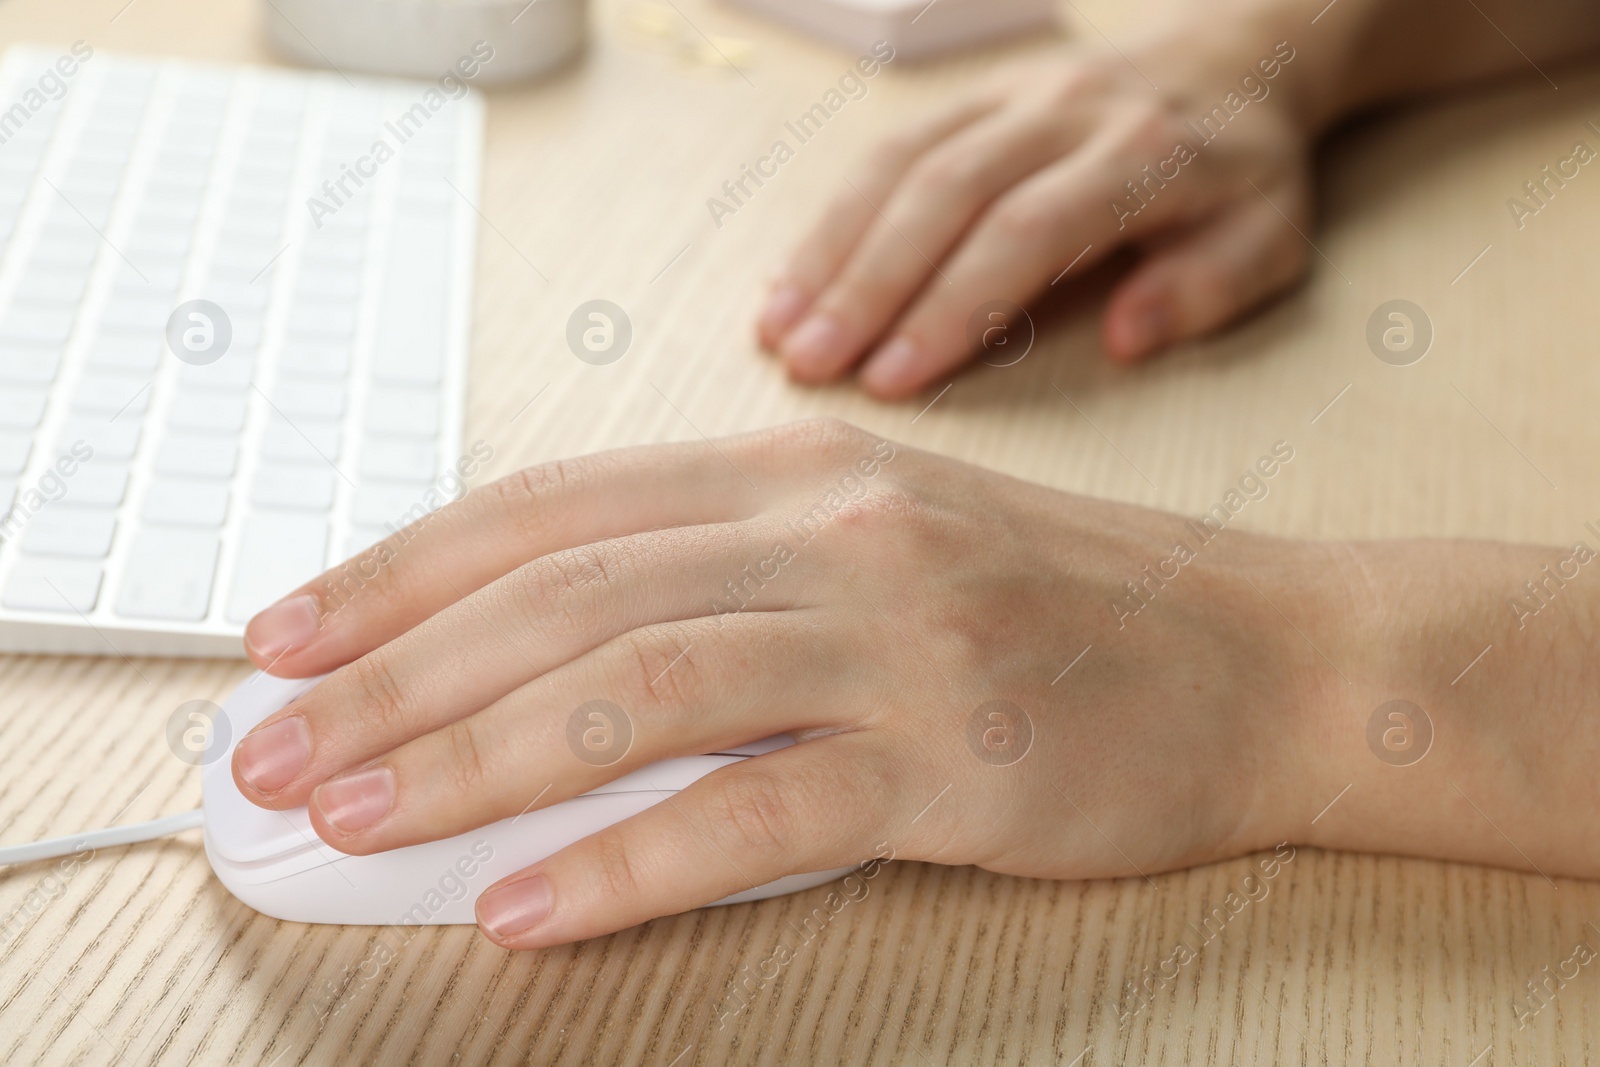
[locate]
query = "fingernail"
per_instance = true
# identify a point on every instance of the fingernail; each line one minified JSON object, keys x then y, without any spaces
{"x":273,"y":756}
{"x":815,"y":343}
{"x":894,"y":365}
{"x":1145,"y":331}
{"x":509,"y":910}
{"x":356,"y":801}
{"x":287,"y":624}
{"x":783,"y":307}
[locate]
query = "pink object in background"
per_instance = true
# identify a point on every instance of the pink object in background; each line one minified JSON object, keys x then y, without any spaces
{"x":916,"y":28}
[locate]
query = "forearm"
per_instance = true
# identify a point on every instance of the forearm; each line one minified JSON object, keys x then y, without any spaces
{"x":1508,"y":683}
{"x":1359,"y":53}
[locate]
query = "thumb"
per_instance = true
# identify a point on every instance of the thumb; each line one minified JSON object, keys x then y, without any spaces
{"x":1207,"y":277}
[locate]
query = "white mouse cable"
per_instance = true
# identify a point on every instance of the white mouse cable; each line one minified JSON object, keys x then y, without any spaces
{"x":94,"y":839}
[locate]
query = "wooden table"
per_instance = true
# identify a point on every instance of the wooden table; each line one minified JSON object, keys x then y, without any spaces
{"x":595,"y":186}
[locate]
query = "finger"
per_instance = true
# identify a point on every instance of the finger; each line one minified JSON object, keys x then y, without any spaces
{"x":543,"y":614}
{"x":1021,"y":243}
{"x":798,"y":810}
{"x":824,"y":249}
{"x":1207,"y":278}
{"x":926,"y":214}
{"x":669,"y":690}
{"x":386,"y":590}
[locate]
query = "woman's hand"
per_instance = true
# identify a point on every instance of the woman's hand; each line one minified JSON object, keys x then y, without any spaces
{"x":909,"y":618}
{"x":1055,"y":165}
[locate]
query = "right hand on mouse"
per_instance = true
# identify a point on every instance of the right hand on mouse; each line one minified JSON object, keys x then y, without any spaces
{"x":900,"y":613}
{"x":993,"y":198}
{"x":978,"y":670}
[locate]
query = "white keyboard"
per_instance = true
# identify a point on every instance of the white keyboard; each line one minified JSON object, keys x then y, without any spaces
{"x":155,"y":495}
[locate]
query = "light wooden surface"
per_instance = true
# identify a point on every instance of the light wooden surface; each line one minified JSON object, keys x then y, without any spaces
{"x":598,"y":179}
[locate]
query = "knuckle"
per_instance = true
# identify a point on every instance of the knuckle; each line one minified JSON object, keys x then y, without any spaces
{"x":821,"y":437}
{"x":759,"y":814}
{"x":517,"y":498}
{"x":892,"y":153}
{"x":663,"y":676}
{"x":525,"y":498}
{"x":467,"y":771}
{"x":948,"y":173}
{"x":564,"y":583}
{"x":880,"y":509}
{"x":1146,"y":129}
{"x":883,"y":528}
{"x":612,"y":867}
{"x":1026,"y":217}
{"x":1085,"y":78}
{"x":383,"y":706}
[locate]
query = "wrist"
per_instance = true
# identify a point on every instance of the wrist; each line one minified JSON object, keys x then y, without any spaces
{"x":1442,"y":724}
{"x":1301,"y":70}
{"x":1303,"y":602}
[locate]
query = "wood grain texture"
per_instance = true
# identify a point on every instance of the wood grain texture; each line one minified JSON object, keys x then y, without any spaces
{"x":597,"y":180}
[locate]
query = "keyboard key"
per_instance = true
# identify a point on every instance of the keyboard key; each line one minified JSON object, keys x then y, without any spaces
{"x":29,"y":364}
{"x":326,"y":285}
{"x":99,"y":484}
{"x":178,"y":214}
{"x":122,"y":351}
{"x":246,"y":333}
{"x":238,"y":299}
{"x":424,"y":198}
{"x":394,"y":411}
{"x":335,"y":256}
{"x":244,"y":232}
{"x":110,"y":440}
{"x":169,"y":574}
{"x":166,"y":186}
{"x":195,"y":409}
{"x":112,"y":393}
{"x":43,"y":584}
{"x":233,"y":371}
{"x":303,"y":441}
{"x":162,"y":276}
{"x":409,"y":361}
{"x":136,"y":315}
{"x":296,"y":486}
{"x":65,"y":231}
{"x":186,"y":502}
{"x":69,"y":256}
{"x":300,"y":400}
{"x":14,"y":450}
{"x":193,"y":455}
{"x":69,"y":531}
{"x":323,"y":322}
{"x":311,"y":359}
{"x":255,"y":267}
{"x":51,"y":287}
{"x":48,"y":325}
{"x":178,"y":155}
{"x":361,"y":538}
{"x":21,"y":408}
{"x":267,"y":197}
{"x":278,"y":552}
{"x":398,"y":459}
{"x":392,"y":503}
{"x":164,"y":243}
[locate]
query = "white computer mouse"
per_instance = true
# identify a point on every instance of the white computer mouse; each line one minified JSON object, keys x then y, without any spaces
{"x":274,"y":862}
